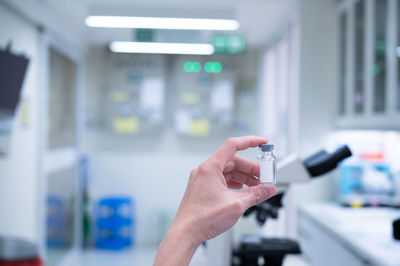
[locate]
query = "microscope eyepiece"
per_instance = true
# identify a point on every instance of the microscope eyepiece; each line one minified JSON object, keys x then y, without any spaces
{"x":322,"y":162}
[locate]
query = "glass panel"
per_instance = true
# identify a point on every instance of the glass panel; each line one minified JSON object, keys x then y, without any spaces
{"x":60,"y":214}
{"x":359,"y":57}
{"x":398,"y":55}
{"x":379,"y":68}
{"x":62,"y":93}
{"x":342,"y":71}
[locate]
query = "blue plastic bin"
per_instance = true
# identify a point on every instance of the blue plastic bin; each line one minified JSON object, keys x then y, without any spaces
{"x":114,"y":220}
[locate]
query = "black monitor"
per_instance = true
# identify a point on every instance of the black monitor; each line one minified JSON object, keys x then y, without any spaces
{"x":12,"y":73}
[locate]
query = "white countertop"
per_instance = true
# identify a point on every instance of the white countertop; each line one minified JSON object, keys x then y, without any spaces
{"x":366,"y":231}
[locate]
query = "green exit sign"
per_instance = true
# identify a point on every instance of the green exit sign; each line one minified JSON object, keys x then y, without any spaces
{"x":144,"y":35}
{"x":229,"y":44}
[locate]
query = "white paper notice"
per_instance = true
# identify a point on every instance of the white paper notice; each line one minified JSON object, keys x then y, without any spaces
{"x":182,"y":122}
{"x":222,"y":98}
{"x":152,"y":94}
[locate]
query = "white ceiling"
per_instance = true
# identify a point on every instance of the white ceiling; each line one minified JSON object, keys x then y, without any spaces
{"x":259,"y":19}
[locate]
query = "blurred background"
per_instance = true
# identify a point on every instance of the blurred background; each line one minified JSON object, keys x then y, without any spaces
{"x":106,"y":106}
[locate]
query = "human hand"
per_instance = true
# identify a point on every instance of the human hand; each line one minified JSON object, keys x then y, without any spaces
{"x":209,"y":207}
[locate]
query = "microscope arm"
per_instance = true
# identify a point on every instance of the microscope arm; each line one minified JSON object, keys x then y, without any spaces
{"x":293,"y":170}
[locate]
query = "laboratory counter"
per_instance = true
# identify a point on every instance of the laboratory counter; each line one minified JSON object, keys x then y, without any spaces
{"x":333,"y":235}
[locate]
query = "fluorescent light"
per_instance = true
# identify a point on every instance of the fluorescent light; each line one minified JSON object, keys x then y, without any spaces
{"x":161,"y":48}
{"x":398,"y":51}
{"x":161,"y":23}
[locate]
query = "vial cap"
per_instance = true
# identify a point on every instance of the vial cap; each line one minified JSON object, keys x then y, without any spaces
{"x":266,"y":147}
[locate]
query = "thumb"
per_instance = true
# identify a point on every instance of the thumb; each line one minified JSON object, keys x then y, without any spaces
{"x":257,"y":194}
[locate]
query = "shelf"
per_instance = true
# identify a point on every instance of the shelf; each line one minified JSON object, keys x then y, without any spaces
{"x":385,"y":122}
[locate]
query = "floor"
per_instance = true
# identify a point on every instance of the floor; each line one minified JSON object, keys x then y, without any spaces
{"x":141,"y":256}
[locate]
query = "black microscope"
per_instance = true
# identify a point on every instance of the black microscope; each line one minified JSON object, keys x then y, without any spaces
{"x":272,"y":251}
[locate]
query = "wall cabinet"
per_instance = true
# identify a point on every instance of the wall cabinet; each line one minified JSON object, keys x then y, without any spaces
{"x":369,"y":64}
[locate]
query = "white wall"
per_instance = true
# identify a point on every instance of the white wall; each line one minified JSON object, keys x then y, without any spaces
{"x":156,"y":177}
{"x":154,"y":171}
{"x":156,"y":181}
{"x":318,"y":86}
{"x":18,"y":171}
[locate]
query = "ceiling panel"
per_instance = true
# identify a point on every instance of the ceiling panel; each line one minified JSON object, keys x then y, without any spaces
{"x":259,"y":19}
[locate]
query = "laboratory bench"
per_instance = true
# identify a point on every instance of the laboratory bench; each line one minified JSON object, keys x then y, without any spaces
{"x":330,"y":234}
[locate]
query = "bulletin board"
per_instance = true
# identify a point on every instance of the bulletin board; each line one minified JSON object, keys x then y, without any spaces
{"x":135,"y":94}
{"x":204,"y":100}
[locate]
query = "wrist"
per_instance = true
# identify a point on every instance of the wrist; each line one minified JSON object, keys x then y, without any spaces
{"x":178,"y":246}
{"x":185,"y":232}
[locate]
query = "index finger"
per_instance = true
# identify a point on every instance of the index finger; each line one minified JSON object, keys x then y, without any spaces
{"x":227,"y":151}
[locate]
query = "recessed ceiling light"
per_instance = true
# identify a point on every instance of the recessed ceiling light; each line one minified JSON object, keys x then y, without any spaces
{"x":162,"y":23}
{"x":161,"y":48}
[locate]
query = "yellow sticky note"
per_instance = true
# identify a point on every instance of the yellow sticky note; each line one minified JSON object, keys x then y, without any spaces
{"x":199,"y":128}
{"x":126,"y":125}
{"x":190,"y":98}
{"x":118,"y":96}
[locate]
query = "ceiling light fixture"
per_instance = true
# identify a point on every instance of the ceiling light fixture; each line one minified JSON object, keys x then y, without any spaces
{"x":161,"y":48}
{"x":162,"y":23}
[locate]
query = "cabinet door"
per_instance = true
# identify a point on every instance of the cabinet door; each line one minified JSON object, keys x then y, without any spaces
{"x":369,"y":64}
{"x":359,"y":55}
{"x":379,"y":104}
{"x":343,"y":28}
{"x":398,"y":56}
{"x":319,"y":247}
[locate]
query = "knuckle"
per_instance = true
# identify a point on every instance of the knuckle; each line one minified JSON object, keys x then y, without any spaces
{"x":230,"y":141}
{"x":257,"y":196}
{"x":193,"y":175}
{"x":238,"y":205}
{"x":202,"y":169}
{"x":193,"y":172}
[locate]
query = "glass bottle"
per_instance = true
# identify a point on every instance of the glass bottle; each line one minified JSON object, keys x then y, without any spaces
{"x":267,"y":162}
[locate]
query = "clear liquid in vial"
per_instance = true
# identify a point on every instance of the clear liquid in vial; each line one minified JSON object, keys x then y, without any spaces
{"x":267,"y":163}
{"x":267,"y":171}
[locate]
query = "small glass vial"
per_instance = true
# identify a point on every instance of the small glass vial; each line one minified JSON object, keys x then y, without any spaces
{"x":267,"y":162}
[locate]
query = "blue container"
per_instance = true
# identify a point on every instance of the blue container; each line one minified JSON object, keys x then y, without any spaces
{"x":56,"y":221}
{"x":351,"y":177}
{"x":114,"y":219}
